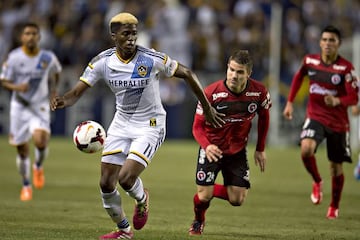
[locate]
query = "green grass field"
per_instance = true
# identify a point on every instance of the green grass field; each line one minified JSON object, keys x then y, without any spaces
{"x":277,"y":207}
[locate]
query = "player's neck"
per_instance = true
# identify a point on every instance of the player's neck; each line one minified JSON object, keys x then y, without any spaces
{"x":30,"y":51}
{"x":125,"y":57}
{"x":329,"y":59}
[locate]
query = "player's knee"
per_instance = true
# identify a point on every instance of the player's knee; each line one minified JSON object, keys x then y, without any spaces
{"x":306,"y":152}
{"x":205,"y":194}
{"x":127,"y":180}
{"x":308,"y":147}
{"x":237,"y":202}
{"x":205,"y":197}
{"x":107,"y":184}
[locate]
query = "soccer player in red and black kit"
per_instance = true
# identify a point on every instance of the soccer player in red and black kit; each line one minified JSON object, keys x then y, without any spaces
{"x":332,"y":89}
{"x":223,"y":149}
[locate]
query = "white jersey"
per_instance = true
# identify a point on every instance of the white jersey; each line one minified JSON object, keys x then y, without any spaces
{"x":134,"y":82}
{"x":23,"y":68}
{"x":30,"y":110}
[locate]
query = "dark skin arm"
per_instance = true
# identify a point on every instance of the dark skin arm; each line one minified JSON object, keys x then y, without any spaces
{"x":69,"y":97}
{"x":211,"y":115}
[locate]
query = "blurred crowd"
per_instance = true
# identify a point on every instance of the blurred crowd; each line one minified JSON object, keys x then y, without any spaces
{"x":199,"y":33}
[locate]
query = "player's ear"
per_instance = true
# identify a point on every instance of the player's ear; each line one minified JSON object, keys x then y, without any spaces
{"x":113,"y":36}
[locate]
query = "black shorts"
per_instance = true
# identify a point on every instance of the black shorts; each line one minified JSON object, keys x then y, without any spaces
{"x":337,"y":143}
{"x":234,"y":168}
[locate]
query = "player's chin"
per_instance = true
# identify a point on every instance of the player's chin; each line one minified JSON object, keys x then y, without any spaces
{"x":129,"y":49}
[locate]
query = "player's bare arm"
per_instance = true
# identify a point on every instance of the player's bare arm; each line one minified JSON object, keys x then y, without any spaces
{"x":22,"y":87}
{"x":288,"y":111}
{"x":70,"y":97}
{"x":53,"y":84}
{"x":211,"y":115}
{"x":213,"y":153}
{"x":260,"y":159}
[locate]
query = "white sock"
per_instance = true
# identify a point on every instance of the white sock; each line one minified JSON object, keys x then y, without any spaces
{"x":137,"y":191}
{"x":23,"y":166}
{"x":40,"y":155}
{"x":112,"y":204}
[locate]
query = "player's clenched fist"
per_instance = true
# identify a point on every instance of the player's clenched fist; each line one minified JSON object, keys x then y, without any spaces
{"x":57,"y":102}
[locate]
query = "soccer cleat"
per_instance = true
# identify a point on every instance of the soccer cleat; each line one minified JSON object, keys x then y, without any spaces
{"x":38,"y":177}
{"x":196,"y":228}
{"x":118,"y":234}
{"x":26,"y":193}
{"x":316,"y":195}
{"x":332,"y":213}
{"x":141,"y":212}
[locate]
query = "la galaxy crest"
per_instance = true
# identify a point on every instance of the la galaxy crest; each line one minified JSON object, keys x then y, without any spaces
{"x":142,"y":67}
{"x":142,"y":70}
{"x":44,"y":61}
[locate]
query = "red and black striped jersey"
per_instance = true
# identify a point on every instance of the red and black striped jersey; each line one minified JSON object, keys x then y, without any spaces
{"x":337,"y":79}
{"x":239,"y":110}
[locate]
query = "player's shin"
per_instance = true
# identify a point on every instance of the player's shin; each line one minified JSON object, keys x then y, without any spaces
{"x":40,"y":155}
{"x":137,"y":191}
{"x":336,"y":190}
{"x":200,"y":208}
{"x":23,"y":166}
{"x":220,"y":191}
{"x":112,"y":204}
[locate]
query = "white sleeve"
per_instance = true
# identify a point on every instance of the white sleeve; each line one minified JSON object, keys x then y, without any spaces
{"x":92,"y":73}
{"x":7,"y":70}
{"x":170,"y":66}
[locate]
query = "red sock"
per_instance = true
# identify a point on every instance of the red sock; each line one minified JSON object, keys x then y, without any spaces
{"x":200,"y":208}
{"x":336,"y":190}
{"x":220,"y":191}
{"x":311,"y":167}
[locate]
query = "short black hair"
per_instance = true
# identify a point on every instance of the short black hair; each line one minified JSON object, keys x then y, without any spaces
{"x":242,"y":57}
{"x":30,"y":24}
{"x":114,"y":27}
{"x":332,"y":29}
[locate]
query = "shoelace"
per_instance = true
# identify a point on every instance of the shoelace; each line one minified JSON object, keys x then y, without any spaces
{"x":196,"y":226}
{"x":141,"y":209}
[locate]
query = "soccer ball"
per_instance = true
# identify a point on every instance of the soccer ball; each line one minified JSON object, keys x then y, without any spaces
{"x":89,"y":136}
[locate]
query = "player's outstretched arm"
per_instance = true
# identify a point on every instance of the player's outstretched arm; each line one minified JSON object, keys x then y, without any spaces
{"x":70,"y":97}
{"x":211,"y":115}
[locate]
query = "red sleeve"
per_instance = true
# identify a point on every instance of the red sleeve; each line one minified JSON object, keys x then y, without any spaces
{"x":263,"y":127}
{"x":199,"y":128}
{"x":296,"y":83}
{"x":351,"y":86}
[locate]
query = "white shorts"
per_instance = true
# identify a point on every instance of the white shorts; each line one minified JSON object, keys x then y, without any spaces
{"x":24,"y":120}
{"x":138,"y":142}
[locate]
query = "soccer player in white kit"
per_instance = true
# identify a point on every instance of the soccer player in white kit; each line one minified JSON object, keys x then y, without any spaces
{"x":32,"y":74}
{"x":138,"y":127}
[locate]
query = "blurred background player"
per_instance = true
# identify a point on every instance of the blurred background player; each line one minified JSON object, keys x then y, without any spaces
{"x":138,"y":127}
{"x":32,"y":74}
{"x":332,"y":89}
{"x":223,"y":149}
{"x":356,"y":112}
